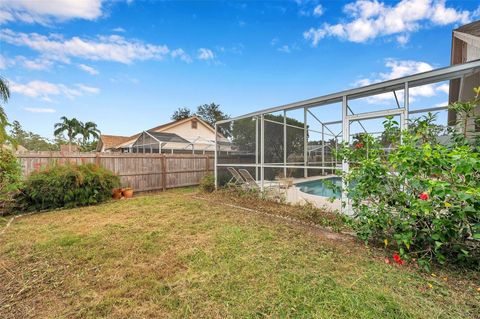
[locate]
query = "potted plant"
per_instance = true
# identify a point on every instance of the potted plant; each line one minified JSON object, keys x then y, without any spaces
{"x":127,"y":192}
{"x":117,"y":193}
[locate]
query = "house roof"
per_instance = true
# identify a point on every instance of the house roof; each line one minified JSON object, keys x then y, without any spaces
{"x":471,"y":28}
{"x":175,"y":123}
{"x":166,"y":137}
{"x":160,"y":128}
{"x":111,"y":141}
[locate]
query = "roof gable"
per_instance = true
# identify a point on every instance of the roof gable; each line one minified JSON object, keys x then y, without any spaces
{"x":172,"y":124}
{"x":111,"y":141}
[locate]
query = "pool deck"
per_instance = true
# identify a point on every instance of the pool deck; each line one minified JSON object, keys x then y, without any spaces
{"x":294,"y":195}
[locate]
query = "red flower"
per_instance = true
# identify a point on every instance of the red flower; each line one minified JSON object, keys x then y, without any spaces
{"x":423,"y":196}
{"x":397,"y":259}
{"x":359,"y":145}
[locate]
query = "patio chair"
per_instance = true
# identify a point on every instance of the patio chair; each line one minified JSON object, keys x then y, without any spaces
{"x":236,"y":180}
{"x":251,"y":182}
{"x":270,"y":188}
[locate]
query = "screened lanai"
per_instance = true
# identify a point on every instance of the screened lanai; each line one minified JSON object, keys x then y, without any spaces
{"x":299,"y":140}
{"x":171,"y":143}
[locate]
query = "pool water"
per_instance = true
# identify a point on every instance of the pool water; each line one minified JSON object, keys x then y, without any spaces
{"x":318,"y":187}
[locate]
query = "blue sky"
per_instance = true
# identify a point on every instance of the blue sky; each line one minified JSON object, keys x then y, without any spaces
{"x":127,"y":65}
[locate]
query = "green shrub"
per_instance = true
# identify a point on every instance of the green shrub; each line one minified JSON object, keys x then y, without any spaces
{"x":207,"y":183}
{"x":66,"y":186}
{"x":422,"y":199}
{"x":10,"y":175}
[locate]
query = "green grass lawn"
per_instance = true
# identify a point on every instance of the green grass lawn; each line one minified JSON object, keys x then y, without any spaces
{"x":174,"y":256}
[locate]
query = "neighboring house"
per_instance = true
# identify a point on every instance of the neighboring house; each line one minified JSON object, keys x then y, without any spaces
{"x":190,"y":135}
{"x":108,"y":143}
{"x":465,"y":48}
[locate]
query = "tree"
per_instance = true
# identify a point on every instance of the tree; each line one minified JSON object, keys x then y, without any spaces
{"x":71,"y":126}
{"x":87,"y":130}
{"x":181,"y":113}
{"x":31,"y":141}
{"x":4,"y":96}
{"x":211,"y":113}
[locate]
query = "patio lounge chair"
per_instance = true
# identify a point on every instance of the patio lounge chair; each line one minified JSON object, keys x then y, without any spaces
{"x":272,"y":189}
{"x":251,"y":182}
{"x":236,"y":180}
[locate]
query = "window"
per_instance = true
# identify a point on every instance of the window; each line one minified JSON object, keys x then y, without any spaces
{"x":194,"y":124}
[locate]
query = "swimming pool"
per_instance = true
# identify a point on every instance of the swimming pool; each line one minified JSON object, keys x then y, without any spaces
{"x":317,"y":187}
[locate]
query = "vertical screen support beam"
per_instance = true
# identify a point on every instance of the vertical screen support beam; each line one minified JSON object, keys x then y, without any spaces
{"x":323,"y":148}
{"x":305,"y":143}
{"x":262,"y":151}
{"x":284,"y":143}
{"x":216,"y":157}
{"x":346,"y":141}
{"x":404,"y":115}
{"x":256,"y":148}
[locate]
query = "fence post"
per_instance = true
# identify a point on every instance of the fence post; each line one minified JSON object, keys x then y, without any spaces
{"x":207,"y":164}
{"x":164,"y":173}
{"x":97,"y":159}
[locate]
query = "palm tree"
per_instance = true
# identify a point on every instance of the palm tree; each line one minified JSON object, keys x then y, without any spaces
{"x":71,"y":126}
{"x":87,"y":130}
{"x":4,"y":96}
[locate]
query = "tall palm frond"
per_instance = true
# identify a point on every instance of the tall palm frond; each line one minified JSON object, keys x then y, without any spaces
{"x":4,"y":91}
{"x":72,"y":127}
{"x":89,"y":129}
{"x":4,"y":96}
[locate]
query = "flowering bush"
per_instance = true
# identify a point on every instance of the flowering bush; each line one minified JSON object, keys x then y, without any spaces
{"x":10,"y":175}
{"x":420,"y":196}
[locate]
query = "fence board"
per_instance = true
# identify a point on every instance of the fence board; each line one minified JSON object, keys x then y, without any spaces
{"x":142,"y":172}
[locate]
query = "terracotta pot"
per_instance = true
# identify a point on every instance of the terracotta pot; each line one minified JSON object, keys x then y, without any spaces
{"x":127,"y":192}
{"x":117,"y":193}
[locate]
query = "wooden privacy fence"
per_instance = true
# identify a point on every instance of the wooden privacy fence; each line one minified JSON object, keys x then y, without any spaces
{"x":142,"y":172}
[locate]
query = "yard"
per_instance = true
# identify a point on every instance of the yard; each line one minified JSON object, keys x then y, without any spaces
{"x":177,"y":255}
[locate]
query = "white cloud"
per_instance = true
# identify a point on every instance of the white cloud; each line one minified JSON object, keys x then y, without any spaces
{"x":442,"y":104}
{"x":35,"y":64}
{"x":4,"y":62}
{"x":401,"y":68}
{"x":318,"y":10}
{"x":205,"y":54}
{"x":445,"y":88}
{"x":403,"y":39}
{"x":182,"y":55}
{"x":369,"y":19}
{"x":39,"y":110}
{"x":119,"y":29}
{"x":45,"y":12}
{"x":314,"y":35}
{"x":88,"y":69}
{"x":285,"y":49}
{"x":309,"y":8}
{"x":44,"y":90}
{"x":108,"y":48}
{"x":398,"y":69}
{"x":88,"y":89}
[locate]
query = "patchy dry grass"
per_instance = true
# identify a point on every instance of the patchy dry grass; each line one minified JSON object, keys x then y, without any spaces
{"x":171,"y":255}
